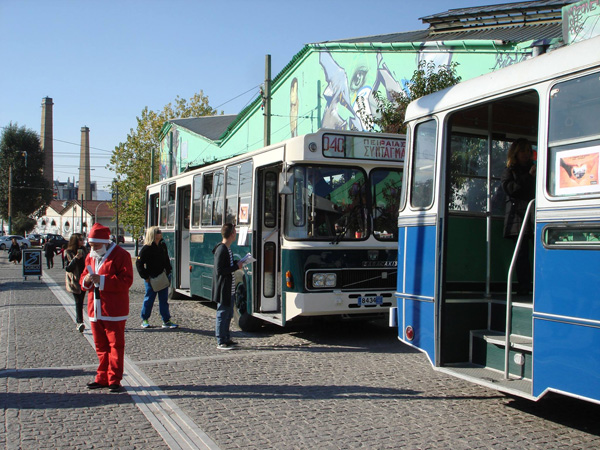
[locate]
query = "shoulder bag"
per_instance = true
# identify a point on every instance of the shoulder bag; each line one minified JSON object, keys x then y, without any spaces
{"x":160,"y":282}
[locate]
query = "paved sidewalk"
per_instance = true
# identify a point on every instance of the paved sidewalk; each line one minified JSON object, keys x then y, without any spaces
{"x":339,"y":387}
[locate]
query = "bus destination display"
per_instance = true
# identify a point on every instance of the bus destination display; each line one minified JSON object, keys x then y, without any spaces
{"x":373,"y":148}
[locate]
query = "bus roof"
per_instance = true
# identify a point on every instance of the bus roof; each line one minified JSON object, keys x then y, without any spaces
{"x":564,"y":60}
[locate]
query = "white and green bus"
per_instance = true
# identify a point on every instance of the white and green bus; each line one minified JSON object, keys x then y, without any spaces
{"x":318,"y":212}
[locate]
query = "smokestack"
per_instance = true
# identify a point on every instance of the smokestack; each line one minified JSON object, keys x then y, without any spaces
{"x":46,"y":140}
{"x":85,"y":187}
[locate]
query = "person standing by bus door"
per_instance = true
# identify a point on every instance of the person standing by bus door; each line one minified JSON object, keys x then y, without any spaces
{"x":223,"y":292}
{"x":108,"y":275}
{"x":518,"y":182}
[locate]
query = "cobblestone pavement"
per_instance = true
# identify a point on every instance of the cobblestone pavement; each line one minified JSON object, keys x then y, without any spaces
{"x":340,"y":386}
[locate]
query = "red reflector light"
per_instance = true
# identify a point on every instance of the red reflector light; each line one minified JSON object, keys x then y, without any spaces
{"x":409,"y":333}
{"x":289,"y":281}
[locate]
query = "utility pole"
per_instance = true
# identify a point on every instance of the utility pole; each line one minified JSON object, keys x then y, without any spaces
{"x":10,"y":202}
{"x":117,"y":203}
{"x":267,"y":100}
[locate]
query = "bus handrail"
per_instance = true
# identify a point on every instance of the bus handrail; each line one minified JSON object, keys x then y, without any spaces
{"x":509,"y":291}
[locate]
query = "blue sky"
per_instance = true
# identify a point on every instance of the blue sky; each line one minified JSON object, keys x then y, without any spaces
{"x":102,"y":62}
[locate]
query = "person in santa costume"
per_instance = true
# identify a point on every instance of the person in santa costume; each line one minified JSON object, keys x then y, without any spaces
{"x":107,"y":277}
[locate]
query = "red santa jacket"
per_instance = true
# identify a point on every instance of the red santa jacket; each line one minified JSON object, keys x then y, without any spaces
{"x":116,"y":277}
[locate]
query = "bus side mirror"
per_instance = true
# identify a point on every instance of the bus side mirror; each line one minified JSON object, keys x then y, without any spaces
{"x":286,"y":183}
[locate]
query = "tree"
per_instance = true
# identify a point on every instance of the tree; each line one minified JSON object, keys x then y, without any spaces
{"x":22,"y":156}
{"x":428,"y":78}
{"x":131,"y":160}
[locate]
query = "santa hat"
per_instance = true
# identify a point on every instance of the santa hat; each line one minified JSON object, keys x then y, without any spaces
{"x":99,"y":233}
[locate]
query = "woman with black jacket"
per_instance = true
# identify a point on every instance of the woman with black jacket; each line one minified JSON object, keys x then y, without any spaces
{"x":153,"y":259}
{"x":75,"y":264}
{"x":518,"y":182}
{"x":14,"y":252}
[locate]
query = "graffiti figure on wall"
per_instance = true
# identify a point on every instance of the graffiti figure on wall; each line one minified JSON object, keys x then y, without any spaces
{"x":344,"y":98}
{"x":294,"y":108}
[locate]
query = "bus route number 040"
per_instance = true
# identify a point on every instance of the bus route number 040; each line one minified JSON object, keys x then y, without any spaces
{"x":333,"y":144}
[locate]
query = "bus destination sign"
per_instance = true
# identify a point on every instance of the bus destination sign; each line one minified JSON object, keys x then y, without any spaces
{"x":373,"y":148}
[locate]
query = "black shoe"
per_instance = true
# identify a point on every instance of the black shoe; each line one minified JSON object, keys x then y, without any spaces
{"x":115,"y":387}
{"x":231,"y":342}
{"x":94,"y":385}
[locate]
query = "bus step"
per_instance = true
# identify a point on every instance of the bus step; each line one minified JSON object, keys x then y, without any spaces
{"x":487,"y":349}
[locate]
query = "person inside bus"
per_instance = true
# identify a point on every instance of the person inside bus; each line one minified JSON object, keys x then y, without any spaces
{"x":518,"y":182}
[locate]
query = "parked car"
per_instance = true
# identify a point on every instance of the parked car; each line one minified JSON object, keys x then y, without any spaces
{"x":5,"y":241}
{"x":56,"y":239}
{"x":35,"y":239}
{"x":121,"y":238}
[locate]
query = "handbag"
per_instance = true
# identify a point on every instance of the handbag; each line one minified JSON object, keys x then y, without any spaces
{"x":160,"y":282}
{"x":71,"y":284}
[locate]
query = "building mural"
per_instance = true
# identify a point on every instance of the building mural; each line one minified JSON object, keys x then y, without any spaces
{"x":581,"y":20}
{"x":326,"y":84}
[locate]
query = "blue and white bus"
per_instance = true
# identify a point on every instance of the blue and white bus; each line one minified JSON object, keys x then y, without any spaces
{"x":318,"y":212}
{"x":455,"y":269}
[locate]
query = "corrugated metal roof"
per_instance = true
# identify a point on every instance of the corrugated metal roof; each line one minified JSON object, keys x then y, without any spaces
{"x":507,"y":34}
{"x":211,"y":127}
{"x":501,"y":8}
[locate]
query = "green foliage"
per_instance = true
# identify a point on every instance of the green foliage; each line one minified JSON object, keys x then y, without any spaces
{"x":21,"y":154}
{"x":22,"y":224}
{"x":428,"y":78}
{"x":131,"y":160}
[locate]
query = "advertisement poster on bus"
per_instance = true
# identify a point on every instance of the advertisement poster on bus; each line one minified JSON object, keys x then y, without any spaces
{"x":577,"y":171}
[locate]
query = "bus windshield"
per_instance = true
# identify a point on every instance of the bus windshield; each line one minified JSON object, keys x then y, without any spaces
{"x":338,"y":203}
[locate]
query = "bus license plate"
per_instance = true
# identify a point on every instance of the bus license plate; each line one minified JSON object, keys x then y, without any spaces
{"x":370,"y":301}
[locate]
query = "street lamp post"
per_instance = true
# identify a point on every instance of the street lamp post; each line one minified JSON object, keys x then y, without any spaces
{"x":96,"y":212}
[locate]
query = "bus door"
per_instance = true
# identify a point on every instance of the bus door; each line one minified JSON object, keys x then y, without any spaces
{"x":476,"y":255}
{"x":268,"y":223}
{"x":182,"y":239}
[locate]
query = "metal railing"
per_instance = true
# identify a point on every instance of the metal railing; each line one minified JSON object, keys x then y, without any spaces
{"x":509,"y":290}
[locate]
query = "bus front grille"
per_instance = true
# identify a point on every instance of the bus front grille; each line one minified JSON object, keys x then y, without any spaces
{"x":361,"y":279}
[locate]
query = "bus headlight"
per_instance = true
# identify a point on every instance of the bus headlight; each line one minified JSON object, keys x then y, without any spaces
{"x":324,"y":280}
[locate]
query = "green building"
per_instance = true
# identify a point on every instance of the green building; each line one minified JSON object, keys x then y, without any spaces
{"x":326,"y":83}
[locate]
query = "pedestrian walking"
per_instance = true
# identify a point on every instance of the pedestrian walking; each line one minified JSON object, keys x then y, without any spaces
{"x":49,"y":252}
{"x":14,"y":252}
{"x":75,"y":264}
{"x":61,"y":252}
{"x":224,"y":286}
{"x":153,"y":262}
{"x":108,"y":275}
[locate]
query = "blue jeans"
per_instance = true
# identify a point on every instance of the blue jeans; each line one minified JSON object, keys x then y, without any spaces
{"x":163,"y":305}
{"x":224,"y":316}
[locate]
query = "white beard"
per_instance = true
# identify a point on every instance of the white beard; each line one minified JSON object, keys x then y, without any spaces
{"x":98,"y":253}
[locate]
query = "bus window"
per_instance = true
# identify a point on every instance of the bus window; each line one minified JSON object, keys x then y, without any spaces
{"x":245,"y":198}
{"x":423,"y":160}
{"x":231,"y":194}
{"x":164,"y":199}
{"x":153,"y":210}
{"x":186,"y":209}
{"x":271,"y":196}
{"x":574,"y":137}
{"x":583,"y":236}
{"x":207,"y":198}
{"x":171,"y":206}
{"x":328,"y":203}
{"x":218,"y":182}
{"x":197,"y":201}
{"x":385,"y":190}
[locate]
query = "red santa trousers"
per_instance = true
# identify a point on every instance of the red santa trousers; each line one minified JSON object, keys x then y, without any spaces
{"x":109,"y":338}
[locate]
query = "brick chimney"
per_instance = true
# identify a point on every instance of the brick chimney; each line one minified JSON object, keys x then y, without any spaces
{"x":85,"y":187}
{"x":46,"y":140}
